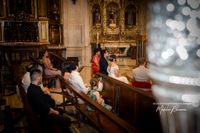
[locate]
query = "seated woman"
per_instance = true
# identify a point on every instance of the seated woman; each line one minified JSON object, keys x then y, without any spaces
{"x":113,"y":70}
{"x":95,"y":95}
{"x":104,"y":62}
{"x":140,"y":76}
{"x":49,"y":69}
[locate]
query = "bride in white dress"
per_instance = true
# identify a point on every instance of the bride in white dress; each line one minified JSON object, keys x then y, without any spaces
{"x":113,"y":70}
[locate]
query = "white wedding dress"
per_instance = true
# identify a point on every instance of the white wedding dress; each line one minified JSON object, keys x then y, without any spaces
{"x":112,"y":73}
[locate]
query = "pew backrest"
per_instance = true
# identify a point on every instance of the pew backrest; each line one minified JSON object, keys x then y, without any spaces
{"x":58,"y":61}
{"x":30,"y":115}
{"x":133,"y":105}
{"x":103,"y":119}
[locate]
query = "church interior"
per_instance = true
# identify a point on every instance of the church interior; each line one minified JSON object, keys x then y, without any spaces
{"x":91,"y":66}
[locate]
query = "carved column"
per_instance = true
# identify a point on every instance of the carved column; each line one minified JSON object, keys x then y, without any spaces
{"x":104,"y":18}
{"x":122,"y":18}
{"x":42,"y":9}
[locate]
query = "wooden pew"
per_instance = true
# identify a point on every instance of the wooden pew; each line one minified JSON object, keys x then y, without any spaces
{"x":104,"y":120}
{"x":58,"y":61}
{"x":132,"y":104}
{"x":31,"y":117}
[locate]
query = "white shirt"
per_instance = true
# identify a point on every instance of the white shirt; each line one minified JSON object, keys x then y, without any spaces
{"x":140,"y":74}
{"x":112,"y":73}
{"x":77,"y":82}
{"x":26,"y":81}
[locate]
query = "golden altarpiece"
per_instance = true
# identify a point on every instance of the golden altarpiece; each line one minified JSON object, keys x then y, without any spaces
{"x":117,"y":24}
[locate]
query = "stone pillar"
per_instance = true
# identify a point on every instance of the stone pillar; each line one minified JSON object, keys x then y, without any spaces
{"x":42,"y":9}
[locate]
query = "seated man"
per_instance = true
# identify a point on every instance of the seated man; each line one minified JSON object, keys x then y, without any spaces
{"x":140,"y":76}
{"x":76,"y":79}
{"x":43,"y":105}
{"x":26,"y":79}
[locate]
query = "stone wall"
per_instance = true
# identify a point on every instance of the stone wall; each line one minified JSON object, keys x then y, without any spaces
{"x":76,"y":30}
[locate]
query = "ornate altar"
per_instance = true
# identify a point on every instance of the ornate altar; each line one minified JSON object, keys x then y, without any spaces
{"x":31,"y":21}
{"x":114,"y":23}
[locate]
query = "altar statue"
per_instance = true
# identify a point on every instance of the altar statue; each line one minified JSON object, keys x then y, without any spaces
{"x":112,"y":18}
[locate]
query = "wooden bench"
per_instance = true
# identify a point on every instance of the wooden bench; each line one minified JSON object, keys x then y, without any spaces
{"x":31,"y":117}
{"x":103,"y":119}
{"x":133,"y":105}
{"x":58,"y":61}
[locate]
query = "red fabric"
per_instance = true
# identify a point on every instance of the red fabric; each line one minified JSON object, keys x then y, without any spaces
{"x":141,"y":84}
{"x":95,"y":68}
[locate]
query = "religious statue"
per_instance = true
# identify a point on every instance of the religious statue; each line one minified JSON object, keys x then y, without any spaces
{"x":130,"y":16}
{"x":97,"y":18}
{"x":96,"y":15}
{"x":112,"y":14}
{"x":112,"y":18}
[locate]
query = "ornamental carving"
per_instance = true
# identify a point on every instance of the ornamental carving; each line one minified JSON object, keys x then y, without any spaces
{"x":114,"y":20}
{"x":113,"y":14}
